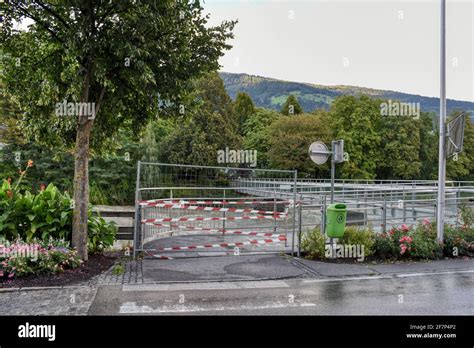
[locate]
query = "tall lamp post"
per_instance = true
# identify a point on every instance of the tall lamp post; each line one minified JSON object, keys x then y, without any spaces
{"x":442,"y":129}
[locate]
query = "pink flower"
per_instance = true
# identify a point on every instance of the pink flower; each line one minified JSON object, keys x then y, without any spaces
{"x":405,"y":228}
{"x":406,"y":239}
{"x":403,"y":248}
{"x":426,"y":221}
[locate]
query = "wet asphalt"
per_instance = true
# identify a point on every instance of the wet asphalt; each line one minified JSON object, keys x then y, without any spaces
{"x":447,"y":293}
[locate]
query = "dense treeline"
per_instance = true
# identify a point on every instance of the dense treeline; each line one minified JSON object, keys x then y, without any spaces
{"x":377,"y":146}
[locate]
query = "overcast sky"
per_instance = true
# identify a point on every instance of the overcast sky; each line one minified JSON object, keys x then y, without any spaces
{"x":383,"y":44}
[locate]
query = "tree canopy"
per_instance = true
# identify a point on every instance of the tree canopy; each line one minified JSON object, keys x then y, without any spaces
{"x":243,"y":109}
{"x":290,"y":138}
{"x":291,"y":106}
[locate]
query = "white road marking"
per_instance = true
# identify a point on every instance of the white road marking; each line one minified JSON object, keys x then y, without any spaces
{"x":133,"y":308}
{"x":264,"y":284}
{"x":407,"y":275}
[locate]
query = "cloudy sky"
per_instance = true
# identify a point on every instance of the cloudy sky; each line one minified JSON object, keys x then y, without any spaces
{"x":384,"y":44}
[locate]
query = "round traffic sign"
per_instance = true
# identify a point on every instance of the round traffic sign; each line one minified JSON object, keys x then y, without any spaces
{"x":318,"y":158}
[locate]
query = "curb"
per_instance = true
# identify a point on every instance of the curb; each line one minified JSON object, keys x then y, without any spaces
{"x":34,"y":288}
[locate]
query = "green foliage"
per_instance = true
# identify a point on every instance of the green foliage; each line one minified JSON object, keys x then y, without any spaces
{"x":461,"y":167}
{"x":291,"y":106}
{"x":407,"y":242}
{"x":257,"y":134}
{"x":385,"y":246}
{"x":33,"y":216}
{"x":102,"y":234}
{"x":356,"y":120}
{"x":118,"y":269}
{"x":425,"y":244}
{"x":44,"y":215}
{"x":313,"y":244}
{"x":400,"y":143}
{"x":137,"y":66}
{"x":213,"y":98}
{"x":209,"y":129}
{"x":243,"y":108}
{"x":467,"y":215}
{"x":290,"y":138}
{"x":10,"y":113}
{"x":50,"y":166}
{"x":428,"y":152}
{"x":355,"y":236}
{"x":458,"y":241}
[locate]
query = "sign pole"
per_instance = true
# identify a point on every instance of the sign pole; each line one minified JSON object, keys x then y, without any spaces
{"x":333,"y":174}
{"x":442,"y":129}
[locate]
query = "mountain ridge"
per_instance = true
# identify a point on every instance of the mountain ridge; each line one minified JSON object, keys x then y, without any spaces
{"x":271,"y":93}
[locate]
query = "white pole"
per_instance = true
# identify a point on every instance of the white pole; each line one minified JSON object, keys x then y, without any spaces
{"x":442,"y":129}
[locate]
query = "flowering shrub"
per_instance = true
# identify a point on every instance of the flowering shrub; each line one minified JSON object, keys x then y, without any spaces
{"x":20,"y":258}
{"x":46,"y":214}
{"x":458,"y":241}
{"x":408,"y":242}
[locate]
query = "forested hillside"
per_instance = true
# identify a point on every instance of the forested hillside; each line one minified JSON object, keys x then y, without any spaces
{"x":272,"y":93}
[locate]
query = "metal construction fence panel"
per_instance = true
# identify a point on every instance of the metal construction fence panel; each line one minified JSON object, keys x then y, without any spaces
{"x":378,"y":215}
{"x":193,"y":211}
{"x":185,"y":210}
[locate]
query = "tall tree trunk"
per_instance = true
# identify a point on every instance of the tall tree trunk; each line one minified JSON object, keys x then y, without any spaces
{"x":81,"y":187}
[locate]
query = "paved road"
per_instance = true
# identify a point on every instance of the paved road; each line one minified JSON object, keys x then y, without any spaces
{"x":412,"y":293}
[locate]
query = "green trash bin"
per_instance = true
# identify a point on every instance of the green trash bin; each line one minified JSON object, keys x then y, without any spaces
{"x":336,"y":220}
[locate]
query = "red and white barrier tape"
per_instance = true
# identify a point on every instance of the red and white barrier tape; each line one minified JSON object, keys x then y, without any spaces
{"x":195,"y":207}
{"x":223,"y":231}
{"x":223,"y":245}
{"x":161,"y":257}
{"x":200,"y":218}
{"x":223,"y":202}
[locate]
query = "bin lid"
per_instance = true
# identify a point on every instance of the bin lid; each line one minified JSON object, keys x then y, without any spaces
{"x":337,"y":206}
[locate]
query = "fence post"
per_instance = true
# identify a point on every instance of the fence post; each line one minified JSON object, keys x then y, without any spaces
{"x":384,"y":215}
{"x":300,"y":221}
{"x":365,"y":208}
{"x":294,"y":213}
{"x":404,"y":208}
{"x":458,"y":202}
{"x":323,"y":216}
{"x":137,"y":213}
{"x":274,"y":210}
{"x":171,"y":213}
{"x":224,"y":215}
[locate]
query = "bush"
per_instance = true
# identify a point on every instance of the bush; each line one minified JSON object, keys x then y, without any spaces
{"x":21,"y":258}
{"x":46,"y":215}
{"x":404,"y":241}
{"x":467,"y":215}
{"x":313,"y":243}
{"x":355,"y":236}
{"x":424,"y":243}
{"x":458,"y":241}
{"x":101,"y":233}
{"x":384,"y":246}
